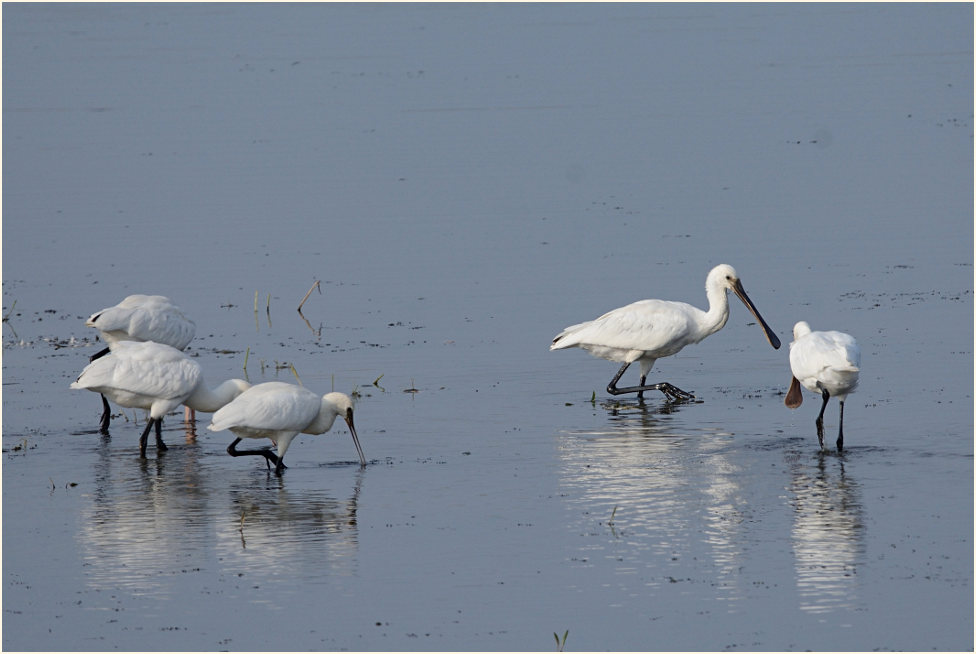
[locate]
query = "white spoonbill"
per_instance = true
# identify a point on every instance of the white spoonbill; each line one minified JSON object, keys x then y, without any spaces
{"x":647,"y":330}
{"x":141,"y":318}
{"x":156,"y":377}
{"x":827,"y":363}
{"x":281,"y":411}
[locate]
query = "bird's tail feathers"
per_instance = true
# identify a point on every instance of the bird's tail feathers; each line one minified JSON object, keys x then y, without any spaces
{"x":561,"y":341}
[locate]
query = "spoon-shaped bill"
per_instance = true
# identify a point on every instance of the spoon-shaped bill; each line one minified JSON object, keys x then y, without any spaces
{"x":741,"y":293}
{"x":355,"y":438}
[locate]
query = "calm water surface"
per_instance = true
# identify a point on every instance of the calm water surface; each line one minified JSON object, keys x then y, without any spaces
{"x":465,"y":181}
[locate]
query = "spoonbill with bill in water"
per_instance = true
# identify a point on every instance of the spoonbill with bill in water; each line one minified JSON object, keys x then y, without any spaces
{"x":648,"y":330}
{"x":280,"y":412}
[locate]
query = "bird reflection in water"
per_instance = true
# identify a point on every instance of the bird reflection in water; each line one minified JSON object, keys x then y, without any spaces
{"x":639,"y":411}
{"x":828,"y":534}
{"x":273,"y":524}
{"x":143,"y":524}
{"x":670,"y":508}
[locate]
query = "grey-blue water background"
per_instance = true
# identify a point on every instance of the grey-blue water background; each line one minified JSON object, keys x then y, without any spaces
{"x":465,"y":181}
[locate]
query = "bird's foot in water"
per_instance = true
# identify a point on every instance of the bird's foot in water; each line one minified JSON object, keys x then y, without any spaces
{"x":674,"y":394}
{"x":671,"y":392}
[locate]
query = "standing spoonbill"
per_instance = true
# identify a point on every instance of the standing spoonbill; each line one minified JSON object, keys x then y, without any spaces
{"x":141,"y":318}
{"x":157,"y":377}
{"x":827,"y":363}
{"x":647,"y":330}
{"x":281,"y":411}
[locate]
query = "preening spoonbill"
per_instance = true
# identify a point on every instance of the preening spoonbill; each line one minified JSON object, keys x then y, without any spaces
{"x":281,"y":411}
{"x":141,"y":318}
{"x":827,"y":363}
{"x":647,"y":330}
{"x":156,"y":377}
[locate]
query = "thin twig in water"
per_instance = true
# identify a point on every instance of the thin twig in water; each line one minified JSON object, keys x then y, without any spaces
{"x":316,"y":285}
{"x":318,"y":334}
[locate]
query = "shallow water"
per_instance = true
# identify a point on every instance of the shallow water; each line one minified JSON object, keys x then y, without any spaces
{"x":466,"y":180}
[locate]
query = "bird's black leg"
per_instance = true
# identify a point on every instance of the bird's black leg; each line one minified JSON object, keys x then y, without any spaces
{"x":106,"y":417}
{"x":612,"y":386}
{"x":269,"y":456}
{"x":160,"y":445}
{"x":820,"y":430}
{"x":840,"y":434}
{"x":145,"y":438}
{"x":106,"y":411}
{"x":672,"y":392}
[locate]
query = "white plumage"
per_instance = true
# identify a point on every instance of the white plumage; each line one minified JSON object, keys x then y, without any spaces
{"x":647,"y":330}
{"x":827,"y":363}
{"x":144,"y":318}
{"x":156,"y":377}
{"x":141,"y":318}
{"x":280,"y":411}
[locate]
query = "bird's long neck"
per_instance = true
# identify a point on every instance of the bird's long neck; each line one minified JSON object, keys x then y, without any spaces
{"x":210,"y":400}
{"x":718,"y":311}
{"x":323,"y":421}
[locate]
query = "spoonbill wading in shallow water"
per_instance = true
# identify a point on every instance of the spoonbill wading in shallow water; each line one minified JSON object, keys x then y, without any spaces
{"x":647,"y":330}
{"x":156,"y":377}
{"x":141,"y":318}
{"x":827,"y":363}
{"x":281,"y":411}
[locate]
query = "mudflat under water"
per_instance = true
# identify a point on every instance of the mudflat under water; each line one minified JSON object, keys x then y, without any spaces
{"x":465,"y":181}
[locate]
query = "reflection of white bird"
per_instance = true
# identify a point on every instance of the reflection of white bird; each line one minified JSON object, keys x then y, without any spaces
{"x":141,"y":318}
{"x":156,"y":377}
{"x":826,"y":363}
{"x":647,"y":330}
{"x":281,"y":411}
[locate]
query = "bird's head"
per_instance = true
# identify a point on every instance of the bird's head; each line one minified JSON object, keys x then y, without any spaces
{"x":724,"y":277}
{"x":342,"y":405}
{"x":801,"y":329}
